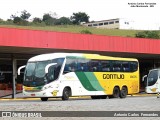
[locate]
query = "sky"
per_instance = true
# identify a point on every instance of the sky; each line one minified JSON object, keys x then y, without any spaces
{"x":96,"y":9}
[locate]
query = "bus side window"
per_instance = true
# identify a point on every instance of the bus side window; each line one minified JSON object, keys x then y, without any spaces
{"x":105,"y":66}
{"x":125,"y":66}
{"x":94,"y":66}
{"x":70,"y":66}
{"x":116,"y":66}
{"x":133,"y":66}
{"x":82,"y":65}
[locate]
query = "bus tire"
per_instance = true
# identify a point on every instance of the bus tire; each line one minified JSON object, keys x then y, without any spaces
{"x":123,"y":92}
{"x":44,"y":98}
{"x":66,"y":93}
{"x":116,"y":93}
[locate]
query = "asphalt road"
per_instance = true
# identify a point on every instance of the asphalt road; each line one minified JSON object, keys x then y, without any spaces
{"x":131,"y":103}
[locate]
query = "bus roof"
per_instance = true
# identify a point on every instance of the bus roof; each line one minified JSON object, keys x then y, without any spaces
{"x":51,"y":56}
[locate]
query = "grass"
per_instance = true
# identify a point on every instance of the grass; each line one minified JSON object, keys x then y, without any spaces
{"x":78,"y":29}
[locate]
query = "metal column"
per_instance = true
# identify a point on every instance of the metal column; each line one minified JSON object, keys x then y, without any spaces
{"x":14,"y":65}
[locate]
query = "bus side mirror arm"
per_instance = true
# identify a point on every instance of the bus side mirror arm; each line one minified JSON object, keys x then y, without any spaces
{"x":48,"y":66}
{"x":143,"y":78}
{"x":19,"y":69}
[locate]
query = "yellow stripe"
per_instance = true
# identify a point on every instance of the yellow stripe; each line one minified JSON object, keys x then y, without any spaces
{"x":96,"y":56}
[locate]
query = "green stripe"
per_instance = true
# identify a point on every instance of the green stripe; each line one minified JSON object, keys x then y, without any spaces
{"x":85,"y":82}
{"x":93,"y":80}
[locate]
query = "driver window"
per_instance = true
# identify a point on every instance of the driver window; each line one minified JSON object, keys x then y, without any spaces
{"x":51,"y":74}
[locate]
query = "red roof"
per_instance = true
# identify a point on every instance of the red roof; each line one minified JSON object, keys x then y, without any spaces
{"x":62,"y":40}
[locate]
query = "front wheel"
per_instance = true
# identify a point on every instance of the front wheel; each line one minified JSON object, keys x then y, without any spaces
{"x":66,"y":94}
{"x":44,"y":98}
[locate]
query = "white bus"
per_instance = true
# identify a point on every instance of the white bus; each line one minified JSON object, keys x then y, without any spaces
{"x":76,"y":74}
{"x":152,"y":81}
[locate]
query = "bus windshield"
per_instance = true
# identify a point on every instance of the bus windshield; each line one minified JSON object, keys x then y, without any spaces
{"x":152,"y":77}
{"x":35,"y":72}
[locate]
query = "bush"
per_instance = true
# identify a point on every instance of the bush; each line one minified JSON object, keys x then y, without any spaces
{"x":148,"y":34}
{"x":86,"y":32}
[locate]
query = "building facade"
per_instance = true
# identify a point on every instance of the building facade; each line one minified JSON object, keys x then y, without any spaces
{"x":123,"y":23}
{"x":112,"y":24}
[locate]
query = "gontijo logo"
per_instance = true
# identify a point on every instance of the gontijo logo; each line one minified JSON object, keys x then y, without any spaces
{"x":113,"y":76}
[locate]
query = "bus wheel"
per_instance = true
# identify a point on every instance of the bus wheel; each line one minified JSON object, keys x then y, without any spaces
{"x":123,"y":92}
{"x":116,"y":92}
{"x":44,"y":98}
{"x":66,"y":94}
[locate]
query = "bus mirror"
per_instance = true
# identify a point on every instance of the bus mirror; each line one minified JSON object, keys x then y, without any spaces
{"x":48,"y":66}
{"x":19,"y":69}
{"x":143,"y":78}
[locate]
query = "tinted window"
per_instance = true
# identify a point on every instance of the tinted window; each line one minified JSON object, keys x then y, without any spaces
{"x":133,"y":66}
{"x":82,"y":65}
{"x":94,"y":66}
{"x":125,"y":66}
{"x":106,"y":66}
{"x":116,"y":21}
{"x":100,"y":24}
{"x":152,"y":77}
{"x":106,"y":23}
{"x":71,"y":65}
{"x":111,"y":22}
{"x":87,"y":65}
{"x":116,"y":66}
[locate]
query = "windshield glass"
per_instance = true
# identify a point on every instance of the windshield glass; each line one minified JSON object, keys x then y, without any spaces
{"x":152,"y":77}
{"x":30,"y":68}
{"x":40,"y":68}
{"x":35,"y":72}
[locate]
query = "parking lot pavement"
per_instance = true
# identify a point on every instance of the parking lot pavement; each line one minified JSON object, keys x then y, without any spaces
{"x":20,"y":96}
{"x":131,"y":103}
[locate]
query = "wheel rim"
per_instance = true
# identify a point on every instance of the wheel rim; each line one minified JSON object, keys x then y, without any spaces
{"x":66,"y":93}
{"x":123,"y":92}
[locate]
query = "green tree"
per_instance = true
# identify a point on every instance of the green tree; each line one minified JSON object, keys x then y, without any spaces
{"x":48,"y":19}
{"x":63,"y":21}
{"x":25,"y":15}
{"x":22,"y":19}
{"x":37,"y":20}
{"x":79,"y":17}
{"x":148,"y":34}
{"x":17,"y":20}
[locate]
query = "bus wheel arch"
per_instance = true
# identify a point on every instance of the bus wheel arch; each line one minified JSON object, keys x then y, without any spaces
{"x":123,"y":92}
{"x":67,"y":92}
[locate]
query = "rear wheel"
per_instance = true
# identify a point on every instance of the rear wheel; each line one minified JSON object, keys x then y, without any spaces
{"x":116,"y":93}
{"x":66,"y":94}
{"x":44,"y":99}
{"x":123,"y":92}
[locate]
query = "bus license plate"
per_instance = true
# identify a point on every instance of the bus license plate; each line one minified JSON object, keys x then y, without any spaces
{"x":33,"y":95}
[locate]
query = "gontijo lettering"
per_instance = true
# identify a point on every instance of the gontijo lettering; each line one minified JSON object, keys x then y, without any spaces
{"x":113,"y":76}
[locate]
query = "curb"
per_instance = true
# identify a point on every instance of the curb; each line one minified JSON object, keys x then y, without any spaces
{"x":134,"y":95}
